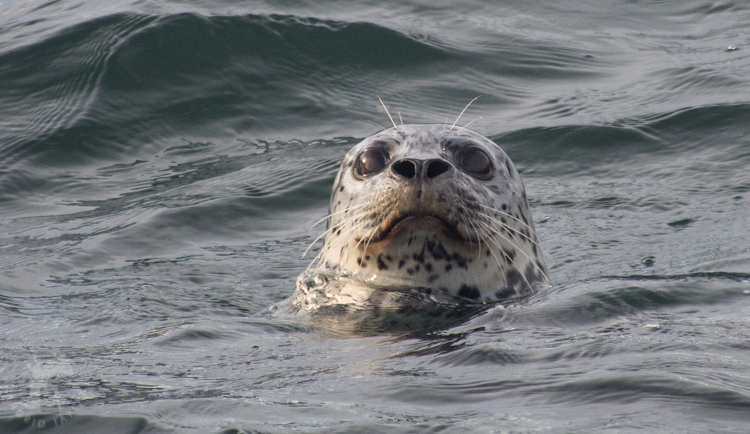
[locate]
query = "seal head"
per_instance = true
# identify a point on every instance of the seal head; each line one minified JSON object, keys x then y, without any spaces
{"x":422,"y":206}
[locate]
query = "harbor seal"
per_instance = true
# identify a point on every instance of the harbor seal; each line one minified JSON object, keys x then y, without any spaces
{"x":424,"y":206}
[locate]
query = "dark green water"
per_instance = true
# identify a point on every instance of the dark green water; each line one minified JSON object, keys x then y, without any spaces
{"x":162,"y":162}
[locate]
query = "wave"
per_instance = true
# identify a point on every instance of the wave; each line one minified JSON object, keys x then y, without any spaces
{"x":106,"y":86}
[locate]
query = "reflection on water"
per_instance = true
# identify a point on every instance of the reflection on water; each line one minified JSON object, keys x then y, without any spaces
{"x":346,"y":308}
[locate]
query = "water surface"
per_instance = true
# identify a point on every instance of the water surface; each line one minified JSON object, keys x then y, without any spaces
{"x":162,"y":162}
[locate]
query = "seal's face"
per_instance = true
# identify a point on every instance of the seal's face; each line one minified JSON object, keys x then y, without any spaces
{"x":421,"y":206}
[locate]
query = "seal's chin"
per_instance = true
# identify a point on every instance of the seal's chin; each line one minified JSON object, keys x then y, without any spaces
{"x":395,"y":227}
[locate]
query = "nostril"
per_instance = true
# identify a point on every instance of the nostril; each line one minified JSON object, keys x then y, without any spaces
{"x":436,"y":168}
{"x":405,"y":168}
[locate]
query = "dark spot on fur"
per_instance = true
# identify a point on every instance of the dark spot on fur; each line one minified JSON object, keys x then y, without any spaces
{"x":460,"y":261}
{"x":367,"y":257}
{"x":509,"y":255}
{"x":432,"y":278}
{"x":361,"y":263}
{"x":487,"y":253}
{"x":419,"y":258}
{"x":428,"y":267}
{"x":341,"y":188}
{"x":532,"y":275}
{"x":467,"y":291}
{"x":381,"y":264}
{"x":401,"y":263}
{"x":410,"y":271}
{"x":388,"y":258}
{"x":417,"y":268}
{"x":448,"y":267}
{"x":505,"y":293}
{"x":513,"y":278}
{"x":436,"y":250}
{"x":504,"y":207}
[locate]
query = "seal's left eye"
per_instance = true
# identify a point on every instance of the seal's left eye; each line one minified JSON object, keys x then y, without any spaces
{"x":370,"y":162}
{"x":476,"y":162}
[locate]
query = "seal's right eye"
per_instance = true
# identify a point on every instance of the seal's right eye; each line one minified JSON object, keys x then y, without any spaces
{"x":370,"y":162}
{"x":477,"y":163}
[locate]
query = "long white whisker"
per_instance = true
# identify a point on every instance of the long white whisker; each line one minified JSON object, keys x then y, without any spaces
{"x":387,"y":112}
{"x":355,"y":229}
{"x":314,"y":260}
{"x":445,"y":125}
{"x":517,"y":247}
{"x":476,"y":231}
{"x":519,"y":250}
{"x":511,"y":216}
{"x":497,"y":260}
{"x":516,"y":232}
{"x":330,"y":230}
{"x":364,"y":252}
{"x":333,"y":214}
{"x":462,"y":112}
{"x":531,"y":230}
{"x":375,"y":123}
{"x":315,"y":241}
{"x":400,"y":119}
{"x":464,"y":127}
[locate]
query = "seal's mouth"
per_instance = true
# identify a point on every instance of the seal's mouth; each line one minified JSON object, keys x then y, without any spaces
{"x":395,"y":225}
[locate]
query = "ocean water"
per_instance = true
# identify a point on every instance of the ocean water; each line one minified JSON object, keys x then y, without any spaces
{"x":162,"y":162}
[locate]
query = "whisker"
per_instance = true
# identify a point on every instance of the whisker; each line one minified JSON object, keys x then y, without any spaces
{"x":465,"y":126}
{"x":520,"y":250}
{"x":315,"y":259}
{"x":462,"y":112}
{"x":505,"y":214}
{"x":375,"y":123}
{"x":476,"y":231}
{"x":492,"y":252}
{"x":330,"y":230}
{"x":333,"y":214}
{"x":445,"y":125}
{"x":315,"y":241}
{"x":515,"y":231}
{"x":387,"y":112}
{"x":367,"y":244}
{"x":531,"y":230}
{"x":362,"y":226}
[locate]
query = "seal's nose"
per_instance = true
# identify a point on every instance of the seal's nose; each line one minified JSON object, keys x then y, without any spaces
{"x":410,"y":169}
{"x":435,"y":168}
{"x":406,"y":168}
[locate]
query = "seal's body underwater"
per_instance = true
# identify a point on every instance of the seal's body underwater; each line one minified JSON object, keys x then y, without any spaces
{"x":422,"y":206}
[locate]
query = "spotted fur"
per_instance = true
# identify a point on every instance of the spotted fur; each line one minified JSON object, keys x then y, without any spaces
{"x":463,"y":235}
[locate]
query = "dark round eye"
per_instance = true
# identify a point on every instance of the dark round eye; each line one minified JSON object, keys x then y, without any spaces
{"x":370,"y":162}
{"x":476,"y":162}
